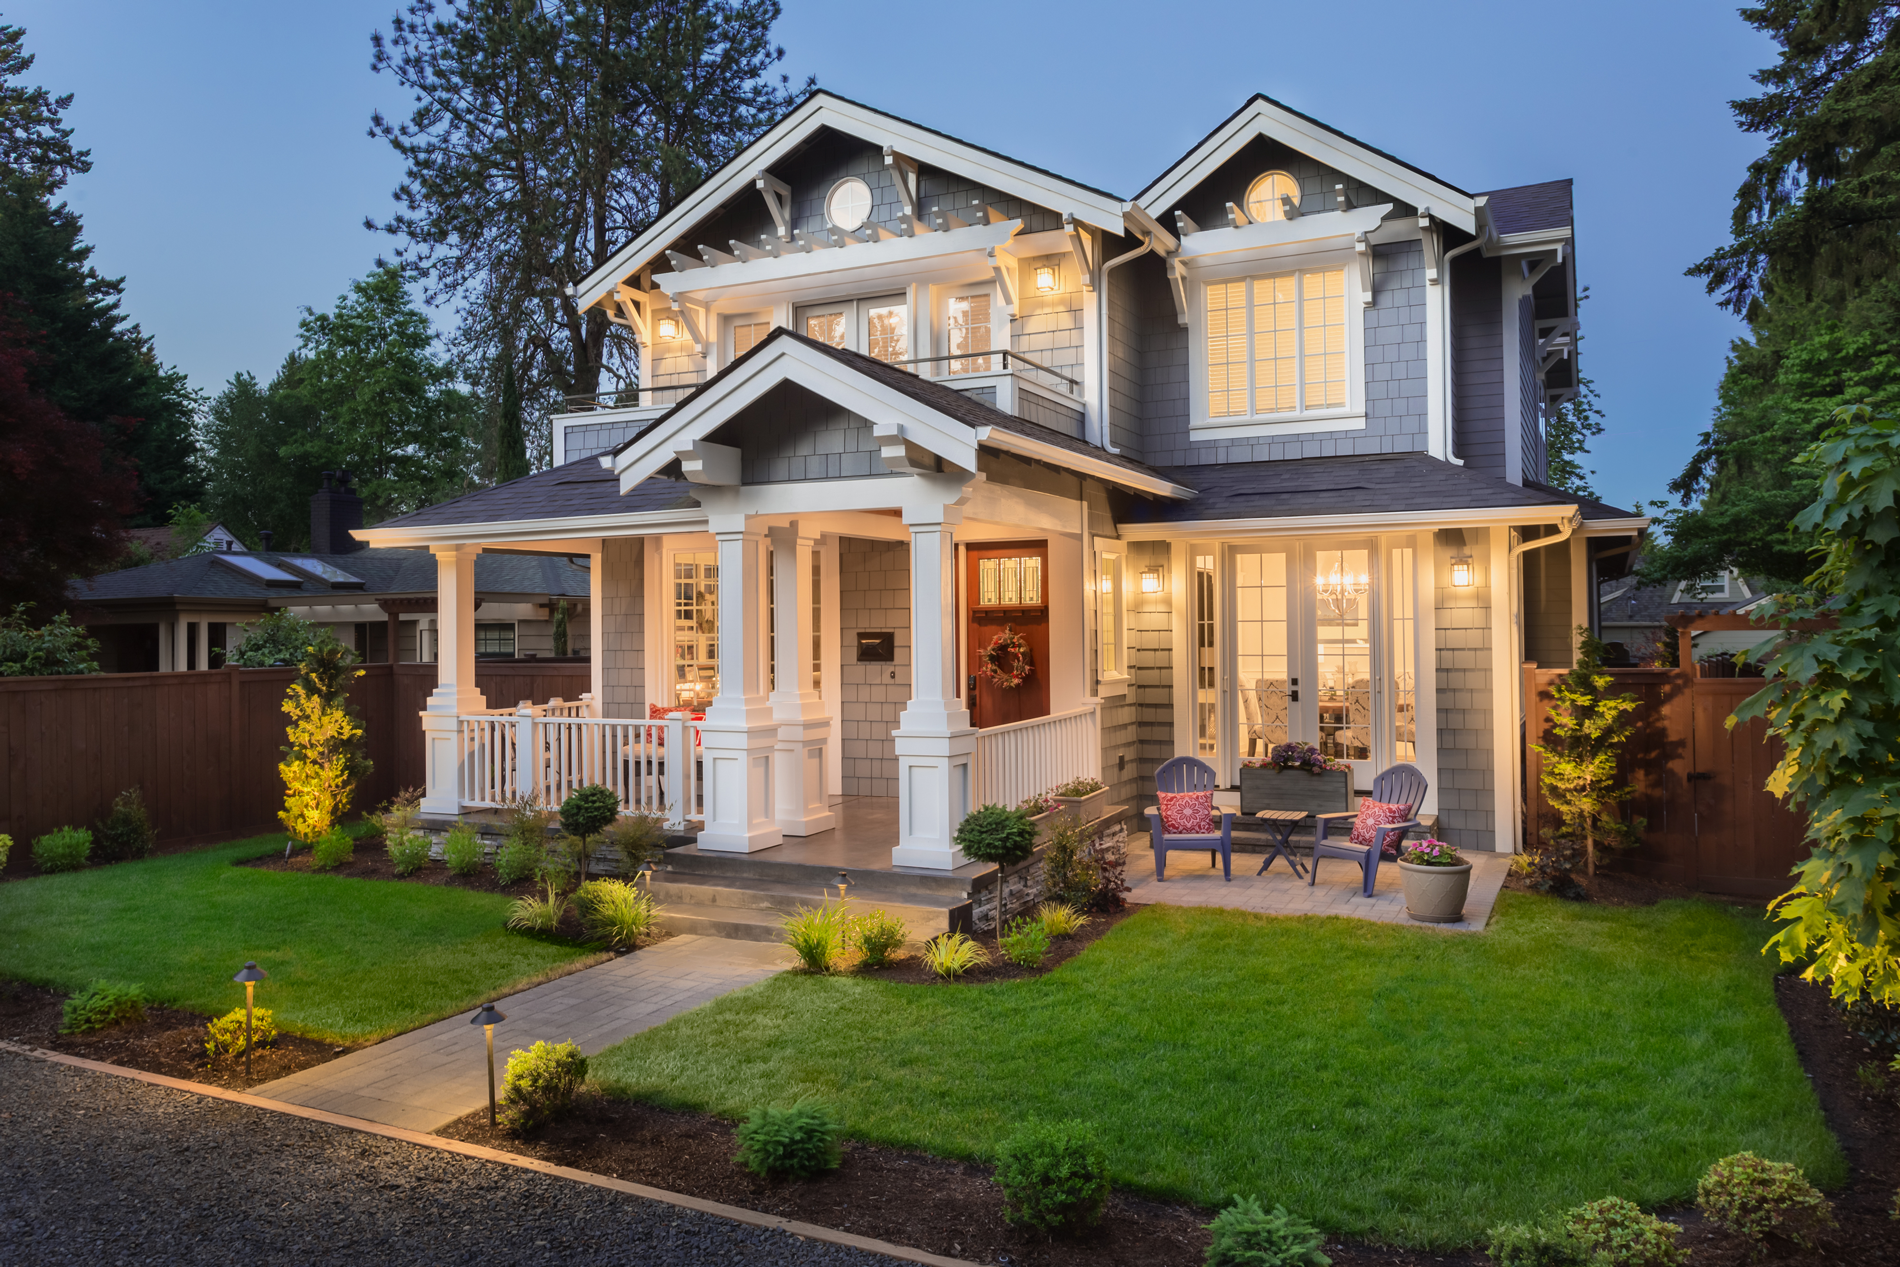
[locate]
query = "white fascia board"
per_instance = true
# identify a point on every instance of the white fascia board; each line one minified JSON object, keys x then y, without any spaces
{"x":1081,"y":463}
{"x":715,"y":404}
{"x":541,"y":531}
{"x":1615,"y":527}
{"x":1532,"y":242}
{"x":1313,"y":525}
{"x":1199,"y":247}
{"x":822,"y":110}
{"x":896,"y":258}
{"x":1362,"y":164}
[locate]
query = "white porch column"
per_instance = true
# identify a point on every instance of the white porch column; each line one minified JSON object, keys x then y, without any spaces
{"x":804,"y":728}
{"x":455,"y":691}
{"x":739,"y":733}
{"x":596,"y":628}
{"x":936,"y":745}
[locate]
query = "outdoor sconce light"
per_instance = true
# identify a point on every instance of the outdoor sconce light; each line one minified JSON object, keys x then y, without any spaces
{"x":667,"y":328}
{"x":1461,"y":571}
{"x":250,"y":974}
{"x":1046,"y":279}
{"x":1153,"y":581}
{"x":488,"y":1018}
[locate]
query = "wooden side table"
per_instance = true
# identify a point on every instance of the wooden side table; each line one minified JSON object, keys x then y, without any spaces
{"x":1280,"y":824}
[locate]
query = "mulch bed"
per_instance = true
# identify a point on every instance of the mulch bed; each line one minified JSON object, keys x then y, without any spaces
{"x":371,"y":862}
{"x":1626,"y":888}
{"x":910,"y":970}
{"x":168,"y":1041}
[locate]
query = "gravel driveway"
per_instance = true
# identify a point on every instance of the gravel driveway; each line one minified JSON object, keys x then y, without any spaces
{"x":103,"y":1170}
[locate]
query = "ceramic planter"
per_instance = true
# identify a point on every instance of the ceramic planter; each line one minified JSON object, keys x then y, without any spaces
{"x":1435,"y":895}
{"x":1087,"y":808}
{"x":1263,"y":787}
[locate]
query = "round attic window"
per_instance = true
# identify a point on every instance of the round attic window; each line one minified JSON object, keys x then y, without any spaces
{"x":848,"y":205}
{"x":1263,"y":196}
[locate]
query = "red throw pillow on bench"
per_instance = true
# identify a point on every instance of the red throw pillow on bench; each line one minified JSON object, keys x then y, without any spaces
{"x":660,"y":712}
{"x":1188,"y":814}
{"x":1372,"y":816}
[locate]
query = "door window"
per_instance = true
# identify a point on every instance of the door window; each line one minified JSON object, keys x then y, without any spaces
{"x":878,"y":328}
{"x":967,"y":326}
{"x":1342,"y":584}
{"x":1262,"y":660}
{"x":695,"y":629}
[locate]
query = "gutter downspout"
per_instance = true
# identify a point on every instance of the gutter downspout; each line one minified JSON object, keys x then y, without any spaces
{"x":1101,"y":323}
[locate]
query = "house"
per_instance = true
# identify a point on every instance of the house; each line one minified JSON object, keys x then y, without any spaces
{"x":185,"y":613}
{"x":1254,"y":455}
{"x":1635,"y":617}
{"x":163,"y":543}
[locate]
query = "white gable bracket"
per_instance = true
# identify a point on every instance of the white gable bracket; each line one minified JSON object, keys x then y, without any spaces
{"x":1177,"y":282}
{"x":1432,"y":236}
{"x":903,"y":170}
{"x":1236,"y":218}
{"x":1005,"y":282}
{"x":1362,"y":251}
{"x":778,"y":200}
{"x":697,"y":327}
{"x":703,"y":462}
{"x":902,"y":456}
{"x":1079,"y":248}
{"x":1534,"y":273}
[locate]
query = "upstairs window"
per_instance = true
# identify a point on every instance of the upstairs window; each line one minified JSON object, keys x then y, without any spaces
{"x":878,"y":328}
{"x":967,"y":327}
{"x":1263,"y":196}
{"x":747,"y":335}
{"x":1277,"y":345}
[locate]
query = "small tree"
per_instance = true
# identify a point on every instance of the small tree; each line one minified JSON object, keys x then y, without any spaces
{"x":1589,"y":727}
{"x":279,"y":638}
{"x":1002,"y":836}
{"x":586,"y":813}
{"x":58,"y":647}
{"x":324,"y":760}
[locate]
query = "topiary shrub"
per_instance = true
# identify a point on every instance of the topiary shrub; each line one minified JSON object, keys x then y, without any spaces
{"x":332,"y":850}
{"x":1026,"y":944}
{"x":224,"y":1037}
{"x":541,"y":1084}
{"x":462,"y":850}
{"x":878,"y":936}
{"x":995,"y":834}
{"x":1054,"y":1176}
{"x":101,"y":1004}
{"x":126,"y":831}
{"x":1616,"y":1233}
{"x":799,"y":1141}
{"x":1244,"y":1235}
{"x":1528,"y":1245}
{"x":67,"y":849}
{"x":586,"y":813}
{"x":1760,"y":1199}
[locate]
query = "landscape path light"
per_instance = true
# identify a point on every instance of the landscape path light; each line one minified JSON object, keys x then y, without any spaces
{"x":844,"y":882}
{"x":250,"y":974}
{"x":488,"y":1018}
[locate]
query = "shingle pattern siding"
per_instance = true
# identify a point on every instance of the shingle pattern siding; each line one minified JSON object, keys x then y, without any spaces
{"x":873,"y":596}
{"x":1467,"y":811}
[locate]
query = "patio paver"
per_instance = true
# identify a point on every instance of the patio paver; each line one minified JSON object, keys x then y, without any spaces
{"x":1192,"y":882}
{"x":427,"y":1078}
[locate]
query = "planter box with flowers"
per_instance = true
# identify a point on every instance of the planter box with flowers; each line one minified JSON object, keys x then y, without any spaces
{"x":1436,"y":881}
{"x":1087,"y":799}
{"x":1295,"y":776}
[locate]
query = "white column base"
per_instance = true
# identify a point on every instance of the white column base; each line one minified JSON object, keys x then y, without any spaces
{"x":935,"y":776}
{"x":804,"y":748}
{"x":739,"y":787}
{"x":441,"y":763}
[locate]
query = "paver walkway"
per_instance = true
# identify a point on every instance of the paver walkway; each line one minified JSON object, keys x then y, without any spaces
{"x":428,"y":1077}
{"x":1192,"y":882}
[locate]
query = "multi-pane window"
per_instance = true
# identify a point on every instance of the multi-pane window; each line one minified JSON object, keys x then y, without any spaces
{"x":1262,"y":659}
{"x":887,"y":336}
{"x":1108,"y":614}
{"x":1264,"y":195}
{"x":1343,"y":641}
{"x":876,"y":327}
{"x":1401,"y":601}
{"x":967,"y":323}
{"x":827,"y":327}
{"x":495,"y":639}
{"x":1277,"y":343}
{"x":695,"y":628}
{"x":1206,"y":694}
{"x":747,"y":335}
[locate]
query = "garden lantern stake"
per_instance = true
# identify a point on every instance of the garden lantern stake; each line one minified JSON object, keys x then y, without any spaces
{"x":250,"y":974}
{"x":844,"y":882}
{"x":488,"y":1018}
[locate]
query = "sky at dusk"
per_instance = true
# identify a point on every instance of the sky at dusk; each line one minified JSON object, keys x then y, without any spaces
{"x":232,"y":170}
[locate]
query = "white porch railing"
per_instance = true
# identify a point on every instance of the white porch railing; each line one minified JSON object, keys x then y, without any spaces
{"x":546,"y":755}
{"x":1027,"y":757}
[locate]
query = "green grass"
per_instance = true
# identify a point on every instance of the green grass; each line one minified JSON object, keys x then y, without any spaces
{"x":349,"y":959}
{"x":1410,"y":1085}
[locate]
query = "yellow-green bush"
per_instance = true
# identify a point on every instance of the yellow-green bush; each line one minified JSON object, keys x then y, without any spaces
{"x":224,"y":1037}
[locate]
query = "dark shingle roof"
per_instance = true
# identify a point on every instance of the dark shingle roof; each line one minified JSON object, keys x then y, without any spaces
{"x":1369,"y":484}
{"x":576,"y":489}
{"x":1524,"y":208}
{"x":383,"y":572}
{"x":1623,"y":602}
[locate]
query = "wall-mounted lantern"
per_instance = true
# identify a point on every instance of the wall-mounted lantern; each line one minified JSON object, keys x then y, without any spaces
{"x":667,"y":328}
{"x":1153,"y":580}
{"x":1461,"y":571}
{"x":1045,"y":279}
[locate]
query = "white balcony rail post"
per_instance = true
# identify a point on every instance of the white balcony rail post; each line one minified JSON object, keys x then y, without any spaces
{"x":527,"y":762}
{"x":679,"y":757}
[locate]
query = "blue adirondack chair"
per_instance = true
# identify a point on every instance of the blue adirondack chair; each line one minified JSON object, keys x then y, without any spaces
{"x":1400,"y":785}
{"x":1185,"y":774}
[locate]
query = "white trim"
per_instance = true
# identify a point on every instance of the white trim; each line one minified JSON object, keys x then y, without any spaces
{"x":890,"y":263}
{"x":1199,"y":248}
{"x":1081,"y":463}
{"x":1262,"y":526}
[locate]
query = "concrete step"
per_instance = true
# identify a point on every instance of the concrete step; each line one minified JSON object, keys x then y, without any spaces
{"x":774,"y":895}
{"x":922,"y":886}
{"x":757,"y":915}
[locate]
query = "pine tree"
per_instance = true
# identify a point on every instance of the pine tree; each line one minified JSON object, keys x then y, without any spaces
{"x":511,"y":443}
{"x":1588,"y":728}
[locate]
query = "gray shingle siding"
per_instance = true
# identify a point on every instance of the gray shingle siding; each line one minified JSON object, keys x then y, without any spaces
{"x":1530,"y":393}
{"x":1467,"y":809}
{"x":1124,"y":355}
{"x":873,"y":595}
{"x":1477,"y":373}
{"x":1150,"y":631}
{"x":793,"y":434}
{"x":591,"y":439}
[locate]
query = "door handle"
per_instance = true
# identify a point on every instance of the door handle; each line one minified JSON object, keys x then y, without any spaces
{"x":971,"y":688}
{"x":1296,"y":697}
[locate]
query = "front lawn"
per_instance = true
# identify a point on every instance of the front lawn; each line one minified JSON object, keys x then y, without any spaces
{"x":349,"y":959}
{"x":1396,"y":1082}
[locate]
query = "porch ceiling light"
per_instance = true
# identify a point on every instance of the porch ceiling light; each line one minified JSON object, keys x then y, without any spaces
{"x":1340,"y":587}
{"x":667,"y":328}
{"x":1046,"y":279}
{"x":1153,"y":580}
{"x":1461,"y":571}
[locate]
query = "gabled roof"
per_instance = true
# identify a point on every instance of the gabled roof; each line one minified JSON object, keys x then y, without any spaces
{"x":383,"y":572}
{"x":819,"y":110}
{"x":1530,"y":208}
{"x":575,"y":490}
{"x":1261,"y":115}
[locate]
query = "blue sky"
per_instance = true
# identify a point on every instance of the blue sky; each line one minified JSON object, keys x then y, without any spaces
{"x":232,"y":170}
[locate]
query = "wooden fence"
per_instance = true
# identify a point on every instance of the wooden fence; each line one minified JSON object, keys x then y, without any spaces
{"x":1698,"y":783}
{"x":205,"y":746}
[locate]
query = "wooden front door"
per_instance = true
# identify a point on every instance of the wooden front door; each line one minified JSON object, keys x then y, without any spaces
{"x":1006,"y":586}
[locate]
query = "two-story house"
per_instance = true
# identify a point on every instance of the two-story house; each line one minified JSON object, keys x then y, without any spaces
{"x":1255,"y":455}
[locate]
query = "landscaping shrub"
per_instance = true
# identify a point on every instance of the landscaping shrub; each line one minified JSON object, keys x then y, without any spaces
{"x":1763,"y":1198}
{"x":615,"y":911}
{"x":57,"y":647}
{"x":408,"y":848}
{"x":1060,"y":919}
{"x":324,"y":760}
{"x":586,"y":813}
{"x":1866,"y":1017}
{"x":878,"y":936}
{"x":126,"y":831}
{"x":1618,"y":1234}
{"x":1247,"y":1236}
{"x":1528,"y":1245}
{"x":332,"y":850}
{"x":101,"y":1004}
{"x":462,"y":850}
{"x":538,"y":913}
{"x":950,"y":955}
{"x":799,"y":1141}
{"x":637,"y":838}
{"x":1054,"y":1175}
{"x":525,"y":845}
{"x":540,"y":1084}
{"x":995,"y":834}
{"x":1026,"y":944}
{"x":224,"y":1037}
{"x":6,"y":847}
{"x":409,"y":852}
{"x":1077,"y":869}
{"x":816,"y":934}
{"x":67,"y":849}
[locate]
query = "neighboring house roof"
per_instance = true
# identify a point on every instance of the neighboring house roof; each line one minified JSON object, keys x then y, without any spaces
{"x":213,"y":576}
{"x":1528,"y":208}
{"x":1369,"y":484}
{"x":1625,"y":603}
{"x":163,"y":540}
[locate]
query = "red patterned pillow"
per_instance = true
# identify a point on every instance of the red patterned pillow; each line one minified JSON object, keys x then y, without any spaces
{"x":1188,"y":813}
{"x":1374,"y":815}
{"x":660,"y":712}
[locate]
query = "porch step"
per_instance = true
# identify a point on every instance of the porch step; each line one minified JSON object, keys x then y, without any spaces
{"x":754,"y":910}
{"x":881,"y":884}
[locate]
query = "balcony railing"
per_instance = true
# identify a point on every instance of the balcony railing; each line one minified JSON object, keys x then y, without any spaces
{"x":1026,"y":757}
{"x":652,"y":766}
{"x":979,"y":363}
{"x":628,"y":398}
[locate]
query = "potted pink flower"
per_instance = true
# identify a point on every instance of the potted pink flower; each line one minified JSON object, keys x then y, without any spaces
{"x":1085,"y":798}
{"x":1436,"y":881}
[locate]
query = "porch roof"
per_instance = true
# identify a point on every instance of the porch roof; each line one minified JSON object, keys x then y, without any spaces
{"x":384,"y":572}
{"x":576,"y":490}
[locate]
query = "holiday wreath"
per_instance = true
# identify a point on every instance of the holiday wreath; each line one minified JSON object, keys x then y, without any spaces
{"x":1006,"y":660}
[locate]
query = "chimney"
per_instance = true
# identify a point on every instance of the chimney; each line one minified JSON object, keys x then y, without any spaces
{"x":334,"y":510}
{"x":264,"y":535}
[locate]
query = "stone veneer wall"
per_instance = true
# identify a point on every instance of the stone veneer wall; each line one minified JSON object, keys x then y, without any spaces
{"x":623,"y":627}
{"x":1022,"y":885}
{"x":873,"y":595}
{"x":1467,"y":760}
